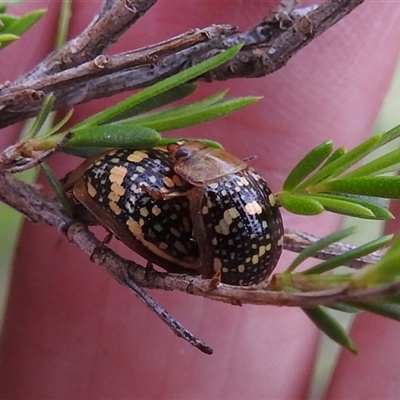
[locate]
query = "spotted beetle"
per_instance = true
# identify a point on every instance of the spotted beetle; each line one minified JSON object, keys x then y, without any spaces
{"x":236,"y":221}
{"x":186,"y":207}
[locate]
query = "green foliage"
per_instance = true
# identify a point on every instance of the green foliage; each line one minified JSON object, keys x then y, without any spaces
{"x":308,"y":164}
{"x":331,"y":327}
{"x":321,"y":244}
{"x":350,"y":255}
{"x":12,"y":27}
{"x":132,"y":123}
{"x":324,"y":180}
{"x":385,"y":271}
{"x":119,"y":110}
{"x":160,"y":100}
{"x":58,"y":189}
{"x":63,"y":23}
{"x":387,"y":310}
{"x":125,"y":126}
{"x":196,"y":113}
{"x":324,"y":277}
{"x":41,"y":118}
{"x":121,"y":135}
{"x":321,"y":180}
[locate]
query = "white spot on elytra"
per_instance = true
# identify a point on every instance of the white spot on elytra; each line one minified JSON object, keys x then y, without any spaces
{"x":156,"y":210}
{"x":253,"y":208}
{"x":271,"y":199}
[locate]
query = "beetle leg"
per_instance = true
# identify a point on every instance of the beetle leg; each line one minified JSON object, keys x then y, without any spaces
{"x":164,"y":194}
{"x":249,"y":158}
{"x":196,"y":198}
{"x":215,"y":281}
{"x":98,"y":249}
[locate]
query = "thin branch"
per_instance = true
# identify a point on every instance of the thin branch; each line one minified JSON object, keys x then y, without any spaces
{"x":77,"y":73}
{"x":39,"y":208}
{"x":11,"y":160}
{"x":85,"y":240}
{"x":267,"y":47}
{"x":272,"y":43}
{"x":88,"y":80}
{"x":113,"y":19}
{"x":298,"y":241}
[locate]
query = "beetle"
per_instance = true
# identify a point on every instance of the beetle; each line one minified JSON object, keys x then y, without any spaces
{"x":112,"y":187}
{"x":185,"y":207}
{"x":236,"y":220}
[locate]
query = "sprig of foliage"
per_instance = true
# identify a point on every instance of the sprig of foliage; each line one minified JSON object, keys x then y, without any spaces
{"x":331,"y":327}
{"x":322,"y":180}
{"x":322,"y":277}
{"x":12,"y":27}
{"x":132,"y":123}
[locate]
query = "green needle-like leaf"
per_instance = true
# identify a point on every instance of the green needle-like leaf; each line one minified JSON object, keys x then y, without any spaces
{"x":388,"y":136}
{"x":63,"y":23}
{"x":350,"y":255}
{"x":6,"y":20}
{"x":334,"y":156}
{"x":377,"y":186}
{"x":299,"y":204}
{"x":378,"y":166}
{"x":327,"y":324}
{"x":6,"y":38}
{"x":391,"y":311}
{"x":343,"y":206}
{"x":86,"y":152}
{"x":57,"y":126}
{"x":175,"y":94}
{"x":42,"y":116}
{"x":308,"y":164}
{"x":22,"y":24}
{"x":321,"y":244}
{"x":57,"y":187}
{"x":385,"y":271}
{"x":379,"y":211}
{"x":111,"y":113}
{"x":189,"y":116}
{"x":344,"y":308}
{"x":175,"y":112}
{"x":342,"y":163}
{"x":132,"y":137}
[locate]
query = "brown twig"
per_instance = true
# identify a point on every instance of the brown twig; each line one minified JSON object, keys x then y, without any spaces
{"x":12,"y":161}
{"x":78,"y":73}
{"x":267,"y":47}
{"x":298,"y":241}
{"x":39,"y":208}
{"x":113,"y":19}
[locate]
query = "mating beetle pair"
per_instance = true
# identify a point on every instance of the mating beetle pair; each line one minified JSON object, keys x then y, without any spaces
{"x":186,"y":207}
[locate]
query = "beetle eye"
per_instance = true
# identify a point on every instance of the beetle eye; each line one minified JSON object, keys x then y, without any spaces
{"x":181,"y":153}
